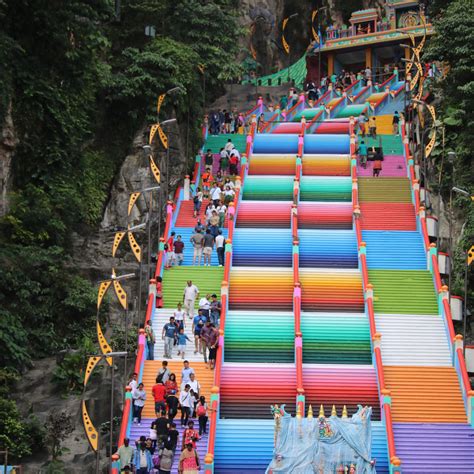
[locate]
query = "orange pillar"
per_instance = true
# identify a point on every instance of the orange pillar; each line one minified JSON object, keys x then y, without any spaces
{"x":407,"y":53}
{"x":330,"y":64}
{"x":368,"y":57}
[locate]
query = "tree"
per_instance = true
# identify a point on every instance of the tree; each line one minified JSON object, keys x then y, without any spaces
{"x":58,"y":427}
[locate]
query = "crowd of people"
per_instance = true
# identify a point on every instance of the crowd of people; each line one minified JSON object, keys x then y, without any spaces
{"x":224,"y":121}
{"x":156,"y":452}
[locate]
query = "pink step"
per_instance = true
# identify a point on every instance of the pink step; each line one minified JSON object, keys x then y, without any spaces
{"x":392,"y":166}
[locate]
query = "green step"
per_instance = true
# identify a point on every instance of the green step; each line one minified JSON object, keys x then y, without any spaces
{"x":403,"y":292}
{"x":335,"y":339}
{"x":384,"y":190}
{"x":323,"y":188}
{"x":263,"y":188}
{"x":259,"y":337}
{"x":216,"y":142}
{"x":391,"y":144}
{"x":207,"y":279}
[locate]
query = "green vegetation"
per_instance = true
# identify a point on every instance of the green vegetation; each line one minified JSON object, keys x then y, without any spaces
{"x":80,"y":84}
{"x":453,"y":44}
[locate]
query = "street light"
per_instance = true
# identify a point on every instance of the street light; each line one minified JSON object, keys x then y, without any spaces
{"x":112,"y":375}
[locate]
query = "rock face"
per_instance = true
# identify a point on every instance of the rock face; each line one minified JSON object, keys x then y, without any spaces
{"x":264,"y":20}
{"x":8,"y":142}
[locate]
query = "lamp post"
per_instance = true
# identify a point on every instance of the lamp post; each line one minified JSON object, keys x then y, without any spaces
{"x":319,"y":45}
{"x":113,"y":355}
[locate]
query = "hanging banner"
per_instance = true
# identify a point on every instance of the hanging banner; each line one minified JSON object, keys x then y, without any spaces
{"x":313,"y":31}
{"x":137,"y":251}
{"x":161,"y":98}
{"x":103,"y":287}
{"x":89,"y":428}
{"x":104,"y":345}
{"x":91,"y":363}
{"x":117,"y":239}
{"x":431,"y":144}
{"x":132,"y":201}
{"x":153,"y":130}
{"x":121,"y":295}
{"x":163,"y":137}
{"x":286,"y":46}
{"x":470,"y":253}
{"x":155,"y":170}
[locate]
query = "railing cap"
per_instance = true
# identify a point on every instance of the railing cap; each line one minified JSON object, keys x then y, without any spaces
{"x":432,"y":245}
{"x":386,"y":391}
{"x":458,"y":337}
{"x":215,"y":389}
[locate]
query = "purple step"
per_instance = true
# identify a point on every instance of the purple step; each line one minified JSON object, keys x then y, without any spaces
{"x":435,"y":447}
{"x":392,"y":166}
{"x":144,"y":429}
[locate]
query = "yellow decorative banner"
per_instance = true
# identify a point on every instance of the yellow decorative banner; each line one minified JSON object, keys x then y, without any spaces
{"x":89,"y":428}
{"x":163,"y":137}
{"x":286,"y":46}
{"x":132,"y":201}
{"x":117,"y":239}
{"x":315,"y":33}
{"x":470,"y":255}
{"x":104,"y":345}
{"x":92,"y":362}
{"x":137,"y":251}
{"x":153,"y":130}
{"x":161,"y":98}
{"x":431,"y":144}
{"x":155,"y":170}
{"x":121,"y":295}
{"x":103,"y":287}
{"x":201,"y":68}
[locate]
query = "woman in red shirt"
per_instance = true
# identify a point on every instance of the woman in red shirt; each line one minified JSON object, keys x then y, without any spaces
{"x":171,"y":384}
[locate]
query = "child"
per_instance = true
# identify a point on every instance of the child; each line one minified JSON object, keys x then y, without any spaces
{"x":207,"y":179}
{"x":182,"y":338}
{"x":179,"y":317}
{"x":190,"y":435}
{"x":152,"y":435}
{"x":201,"y":412}
{"x":363,"y":154}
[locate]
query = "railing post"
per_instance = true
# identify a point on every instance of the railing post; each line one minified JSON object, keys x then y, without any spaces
{"x":115,"y":469}
{"x":432,"y":251}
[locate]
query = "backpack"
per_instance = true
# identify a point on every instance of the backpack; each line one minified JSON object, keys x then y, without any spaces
{"x":161,"y":375}
{"x":196,"y":199}
{"x":201,"y":410}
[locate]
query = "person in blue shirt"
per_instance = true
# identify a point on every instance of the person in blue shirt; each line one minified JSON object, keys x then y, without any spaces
{"x":198,"y":324}
{"x":143,"y":461}
{"x":169,"y":333}
{"x":182,"y":338}
{"x":362,"y":154}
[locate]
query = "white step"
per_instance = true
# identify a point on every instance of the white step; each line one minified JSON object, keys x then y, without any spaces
{"x":162,"y":316}
{"x":418,"y":340}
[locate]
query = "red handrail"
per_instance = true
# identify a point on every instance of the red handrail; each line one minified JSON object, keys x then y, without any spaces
{"x":125,"y":416}
{"x":390,"y":438}
{"x":379,"y":364}
{"x":449,"y":319}
{"x":437,"y":276}
{"x":370,"y":310}
{"x":365,"y":273}
{"x":464,"y":375}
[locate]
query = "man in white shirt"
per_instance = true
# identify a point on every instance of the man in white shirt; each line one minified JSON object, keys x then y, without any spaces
{"x":229,"y":145}
{"x":205,"y":305}
{"x":189,"y":298}
{"x":193,"y":383}
{"x":186,"y":372}
{"x":220,"y":247}
{"x":216,"y":194}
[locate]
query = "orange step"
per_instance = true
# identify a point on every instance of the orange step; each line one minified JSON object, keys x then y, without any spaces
{"x":384,"y":124}
{"x":425,"y":394}
{"x":204,"y":376}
